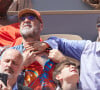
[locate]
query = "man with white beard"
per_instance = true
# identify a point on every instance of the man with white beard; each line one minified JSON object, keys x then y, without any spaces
{"x":38,"y":68}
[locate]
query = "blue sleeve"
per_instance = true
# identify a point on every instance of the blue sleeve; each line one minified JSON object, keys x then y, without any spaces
{"x":71,"y":48}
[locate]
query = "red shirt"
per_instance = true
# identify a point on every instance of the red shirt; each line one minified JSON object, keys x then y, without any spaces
{"x":40,"y":78}
{"x":10,"y":35}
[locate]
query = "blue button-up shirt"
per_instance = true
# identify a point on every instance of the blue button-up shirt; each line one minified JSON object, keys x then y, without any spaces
{"x":88,"y":53}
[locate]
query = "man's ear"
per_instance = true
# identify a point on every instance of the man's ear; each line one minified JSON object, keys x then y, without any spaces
{"x":41,"y":27}
{"x":58,"y":77}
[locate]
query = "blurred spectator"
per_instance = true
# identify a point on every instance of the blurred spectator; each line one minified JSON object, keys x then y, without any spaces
{"x":9,"y":34}
{"x":9,"y":26}
{"x":6,"y":19}
{"x":93,"y":3}
{"x":11,"y":65}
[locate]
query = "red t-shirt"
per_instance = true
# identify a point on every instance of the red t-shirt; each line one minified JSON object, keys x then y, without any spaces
{"x":10,"y":35}
{"x":40,"y":78}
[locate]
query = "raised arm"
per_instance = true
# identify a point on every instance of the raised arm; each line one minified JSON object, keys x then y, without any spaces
{"x":71,"y":48}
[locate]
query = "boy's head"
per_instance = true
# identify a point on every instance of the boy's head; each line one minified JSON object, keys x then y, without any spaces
{"x":65,"y":71}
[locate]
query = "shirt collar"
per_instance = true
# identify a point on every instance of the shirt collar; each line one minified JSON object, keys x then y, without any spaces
{"x":15,"y":87}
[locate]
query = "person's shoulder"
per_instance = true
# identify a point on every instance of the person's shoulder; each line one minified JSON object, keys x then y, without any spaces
{"x":89,"y":42}
{"x":21,"y":87}
{"x":18,"y":47}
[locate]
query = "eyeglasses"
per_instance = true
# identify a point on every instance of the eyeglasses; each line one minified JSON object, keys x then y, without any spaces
{"x":98,"y":25}
{"x":28,"y":17}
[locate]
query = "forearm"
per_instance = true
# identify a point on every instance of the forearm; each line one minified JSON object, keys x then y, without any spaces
{"x":71,"y":48}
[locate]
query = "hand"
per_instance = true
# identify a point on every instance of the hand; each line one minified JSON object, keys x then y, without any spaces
{"x":36,"y":46}
{"x":4,"y":87}
{"x":56,"y":56}
{"x":28,"y":57}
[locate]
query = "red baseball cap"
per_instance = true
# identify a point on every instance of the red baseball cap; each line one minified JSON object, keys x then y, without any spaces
{"x":32,"y":11}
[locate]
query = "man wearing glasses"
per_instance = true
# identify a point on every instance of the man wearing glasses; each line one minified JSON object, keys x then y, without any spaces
{"x":38,"y":68}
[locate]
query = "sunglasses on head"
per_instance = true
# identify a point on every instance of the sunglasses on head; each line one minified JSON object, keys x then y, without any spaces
{"x":28,"y":17}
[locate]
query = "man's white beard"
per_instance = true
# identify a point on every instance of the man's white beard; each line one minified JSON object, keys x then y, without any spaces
{"x":27,"y":32}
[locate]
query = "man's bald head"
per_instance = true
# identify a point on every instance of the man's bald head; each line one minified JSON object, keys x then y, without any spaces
{"x":12,"y":53}
{"x":11,"y":62}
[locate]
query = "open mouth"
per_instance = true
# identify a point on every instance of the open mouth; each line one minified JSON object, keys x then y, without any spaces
{"x":74,"y":70}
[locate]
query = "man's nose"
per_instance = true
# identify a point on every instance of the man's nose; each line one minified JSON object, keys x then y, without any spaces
{"x":72,"y":66}
{"x":26,"y":19}
{"x":9,"y":64}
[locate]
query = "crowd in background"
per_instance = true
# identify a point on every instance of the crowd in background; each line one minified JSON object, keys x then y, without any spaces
{"x":29,"y":63}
